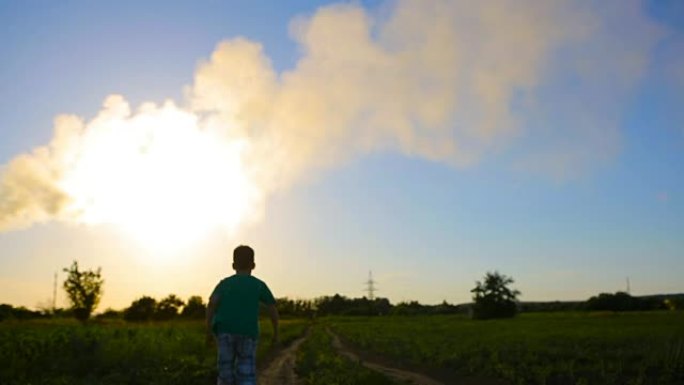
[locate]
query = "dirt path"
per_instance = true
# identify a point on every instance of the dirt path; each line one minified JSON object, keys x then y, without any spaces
{"x":394,"y":373}
{"x":280,"y":370}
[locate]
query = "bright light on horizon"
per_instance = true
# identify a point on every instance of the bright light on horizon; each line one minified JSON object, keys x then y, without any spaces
{"x":156,"y":174}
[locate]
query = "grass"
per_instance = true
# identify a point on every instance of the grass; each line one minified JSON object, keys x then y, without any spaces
{"x":554,"y":348}
{"x":65,"y":352}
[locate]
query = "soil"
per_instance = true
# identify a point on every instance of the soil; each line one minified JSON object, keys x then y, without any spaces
{"x":280,"y":368}
{"x":392,"y":372}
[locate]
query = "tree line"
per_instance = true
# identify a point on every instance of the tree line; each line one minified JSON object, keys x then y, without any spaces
{"x":492,"y":298}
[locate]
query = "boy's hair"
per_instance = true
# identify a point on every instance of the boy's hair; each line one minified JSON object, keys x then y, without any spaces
{"x":243,"y":258}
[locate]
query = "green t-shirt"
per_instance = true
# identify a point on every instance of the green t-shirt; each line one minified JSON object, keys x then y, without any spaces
{"x":238,"y":299}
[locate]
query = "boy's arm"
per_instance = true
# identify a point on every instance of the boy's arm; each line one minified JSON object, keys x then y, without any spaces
{"x":273,"y":313}
{"x":211,"y":309}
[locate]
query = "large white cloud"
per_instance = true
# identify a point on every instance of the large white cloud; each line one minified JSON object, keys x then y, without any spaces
{"x":443,"y":80}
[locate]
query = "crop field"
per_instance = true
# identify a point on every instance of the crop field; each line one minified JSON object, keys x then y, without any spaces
{"x":65,"y":352}
{"x":552,"y":348}
{"x":543,"y":348}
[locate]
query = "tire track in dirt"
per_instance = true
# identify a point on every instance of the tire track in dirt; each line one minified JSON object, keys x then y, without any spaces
{"x":281,"y":369}
{"x":394,"y":373}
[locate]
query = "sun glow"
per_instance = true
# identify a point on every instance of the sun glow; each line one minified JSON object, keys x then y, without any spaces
{"x":158,"y":175}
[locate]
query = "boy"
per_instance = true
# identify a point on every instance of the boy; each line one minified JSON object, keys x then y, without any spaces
{"x":233,"y":320}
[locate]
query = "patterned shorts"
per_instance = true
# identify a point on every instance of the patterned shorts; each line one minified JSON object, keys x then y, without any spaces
{"x":236,"y":359}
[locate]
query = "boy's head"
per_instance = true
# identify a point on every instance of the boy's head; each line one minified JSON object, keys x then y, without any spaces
{"x":243,"y":258}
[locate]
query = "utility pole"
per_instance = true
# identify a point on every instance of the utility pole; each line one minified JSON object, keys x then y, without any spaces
{"x":628,"y":288}
{"x":370,"y":286}
{"x":54,"y":294}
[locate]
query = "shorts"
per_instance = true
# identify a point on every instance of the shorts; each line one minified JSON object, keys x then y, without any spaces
{"x":236,"y":359}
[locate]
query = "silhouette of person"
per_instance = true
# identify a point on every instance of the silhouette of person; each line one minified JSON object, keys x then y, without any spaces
{"x":233,"y":320}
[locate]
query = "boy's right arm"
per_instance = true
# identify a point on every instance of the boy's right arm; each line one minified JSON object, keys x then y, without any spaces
{"x":211,"y":309}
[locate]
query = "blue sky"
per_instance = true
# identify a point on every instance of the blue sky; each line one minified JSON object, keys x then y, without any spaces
{"x":426,"y":227}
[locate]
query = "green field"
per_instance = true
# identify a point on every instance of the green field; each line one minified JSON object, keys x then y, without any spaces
{"x":542,"y":348}
{"x":551,"y":348}
{"x":65,"y":352}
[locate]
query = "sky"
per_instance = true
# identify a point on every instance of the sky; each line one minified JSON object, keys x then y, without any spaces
{"x":428,"y":142}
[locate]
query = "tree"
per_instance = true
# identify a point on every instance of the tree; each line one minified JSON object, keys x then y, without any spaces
{"x":168,"y":308}
{"x":674,"y":303}
{"x":84,"y":289}
{"x":493,"y":298}
{"x":622,"y":301}
{"x":409,"y":308}
{"x":195,"y":308}
{"x":110,"y":314}
{"x":19,"y":313}
{"x":141,"y":309}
